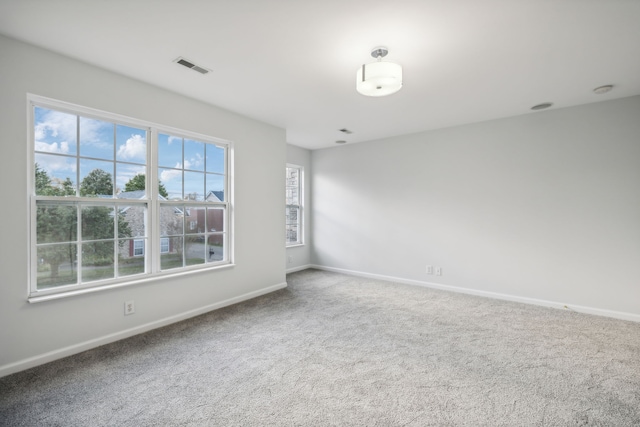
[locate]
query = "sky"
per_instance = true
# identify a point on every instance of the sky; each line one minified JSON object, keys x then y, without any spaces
{"x":63,"y":141}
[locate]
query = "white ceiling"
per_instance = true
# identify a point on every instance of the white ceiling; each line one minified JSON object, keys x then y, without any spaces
{"x":292,"y":63}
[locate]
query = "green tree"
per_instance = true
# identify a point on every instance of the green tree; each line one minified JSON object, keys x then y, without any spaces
{"x":58,"y":223}
{"x":67,"y":187}
{"x":46,"y":187}
{"x":138,"y":183}
{"x":43,"y":182}
{"x":55,"y":223}
{"x":97,"y":221}
{"x":96,"y":183}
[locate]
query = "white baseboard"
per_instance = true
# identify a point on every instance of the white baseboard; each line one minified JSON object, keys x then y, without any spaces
{"x":106,"y":339}
{"x":553,"y":304}
{"x":300,"y":268}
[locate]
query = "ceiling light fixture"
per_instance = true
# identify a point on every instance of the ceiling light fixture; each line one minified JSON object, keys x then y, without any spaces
{"x":379,"y":78}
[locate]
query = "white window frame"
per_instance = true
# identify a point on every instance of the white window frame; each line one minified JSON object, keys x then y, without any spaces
{"x":299,"y":207}
{"x":153,"y":243}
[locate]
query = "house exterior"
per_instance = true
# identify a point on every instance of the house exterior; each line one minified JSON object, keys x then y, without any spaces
{"x":198,"y":223}
{"x":170,"y":223}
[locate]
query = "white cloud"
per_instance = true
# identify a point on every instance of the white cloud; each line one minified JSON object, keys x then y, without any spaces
{"x":56,"y":164}
{"x":134,"y":148}
{"x":54,"y":147}
{"x":168,"y":175}
{"x":124,"y":174}
{"x":56,"y":124}
{"x":173,"y":139}
{"x":93,"y":131}
{"x":54,"y":130}
{"x":194,"y":162}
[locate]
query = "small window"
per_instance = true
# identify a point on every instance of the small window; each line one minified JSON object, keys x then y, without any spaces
{"x":164,"y":245}
{"x":138,"y":247}
{"x":293,"y":218}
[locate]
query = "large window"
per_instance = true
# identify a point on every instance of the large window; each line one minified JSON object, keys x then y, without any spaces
{"x":114,"y":199}
{"x":293,"y":220}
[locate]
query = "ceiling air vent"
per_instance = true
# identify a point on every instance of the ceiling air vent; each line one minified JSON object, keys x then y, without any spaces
{"x":345,"y":130}
{"x":191,"y":65}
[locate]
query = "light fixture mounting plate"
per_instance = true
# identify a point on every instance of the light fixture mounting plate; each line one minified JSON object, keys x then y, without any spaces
{"x":379,"y":52}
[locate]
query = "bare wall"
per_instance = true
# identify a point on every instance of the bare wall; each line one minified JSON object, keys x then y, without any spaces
{"x":35,"y":333}
{"x":543,"y":206}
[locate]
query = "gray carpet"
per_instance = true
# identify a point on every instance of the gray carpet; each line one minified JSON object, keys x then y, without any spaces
{"x":340,"y":350}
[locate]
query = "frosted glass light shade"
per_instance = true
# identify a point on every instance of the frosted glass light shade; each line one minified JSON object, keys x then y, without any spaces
{"x":379,"y":79}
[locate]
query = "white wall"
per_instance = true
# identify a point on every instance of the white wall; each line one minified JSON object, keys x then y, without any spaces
{"x":35,"y":333}
{"x":543,"y":206}
{"x":299,"y":257}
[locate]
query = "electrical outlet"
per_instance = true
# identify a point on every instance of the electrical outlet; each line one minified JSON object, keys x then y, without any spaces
{"x":438,"y":271}
{"x":129,"y":308}
{"x":429,"y":269}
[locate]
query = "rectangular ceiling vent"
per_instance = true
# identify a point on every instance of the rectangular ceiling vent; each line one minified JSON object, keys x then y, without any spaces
{"x":191,"y":65}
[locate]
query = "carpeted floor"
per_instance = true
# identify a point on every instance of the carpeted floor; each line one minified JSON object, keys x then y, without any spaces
{"x":347,"y":351}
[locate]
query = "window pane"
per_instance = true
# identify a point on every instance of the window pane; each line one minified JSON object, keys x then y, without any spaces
{"x":131,"y":221}
{"x":195,"y":221}
{"x":194,"y":186}
{"x":215,"y":188}
{"x":292,"y":186}
{"x":215,"y":219}
{"x":215,"y":159}
{"x":130,"y":181}
{"x":172,"y":181}
{"x":169,"y":151}
{"x":292,"y":234}
{"x":173,"y":258}
{"x":96,"y":138}
{"x":97,"y":222}
{"x":97,"y":261}
{"x":56,"y":265}
{"x":55,"y":131}
{"x":56,"y":223}
{"x":215,"y":247}
{"x":55,"y":175}
{"x":131,"y":144}
{"x":171,"y":220}
{"x":128,"y":262}
{"x":194,"y":155}
{"x":292,"y":196}
{"x":96,"y":178}
{"x":195,"y":250}
{"x":292,"y":214}
{"x":292,"y":224}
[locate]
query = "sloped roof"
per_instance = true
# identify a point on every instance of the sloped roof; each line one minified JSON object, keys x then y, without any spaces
{"x":215,"y":196}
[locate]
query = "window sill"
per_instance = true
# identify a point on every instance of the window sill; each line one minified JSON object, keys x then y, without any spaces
{"x":42,"y":298}
{"x":295,"y":245}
